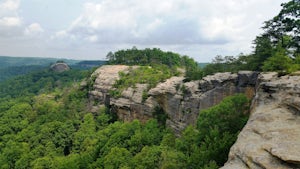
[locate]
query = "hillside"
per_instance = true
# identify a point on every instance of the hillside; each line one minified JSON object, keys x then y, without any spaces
{"x":7,"y":61}
{"x":15,"y":66}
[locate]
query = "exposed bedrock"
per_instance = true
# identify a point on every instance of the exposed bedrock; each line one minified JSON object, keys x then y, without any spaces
{"x":181,"y":101}
{"x":271,"y":138}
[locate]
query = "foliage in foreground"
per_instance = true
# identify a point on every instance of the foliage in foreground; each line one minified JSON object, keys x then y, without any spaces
{"x":54,"y":130}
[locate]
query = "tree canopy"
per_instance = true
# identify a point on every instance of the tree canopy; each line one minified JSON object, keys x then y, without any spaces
{"x":51,"y":128}
{"x":286,"y":23}
{"x":156,"y":57}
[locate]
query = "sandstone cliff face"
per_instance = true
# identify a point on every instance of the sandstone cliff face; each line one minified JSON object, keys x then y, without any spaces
{"x":130,"y":105}
{"x":271,"y":138}
{"x":181,"y":101}
{"x":182,"y":105}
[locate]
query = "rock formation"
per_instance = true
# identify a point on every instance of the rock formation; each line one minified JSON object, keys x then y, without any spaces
{"x":59,"y":67}
{"x":271,"y":138}
{"x":181,"y":101}
{"x":127,"y":107}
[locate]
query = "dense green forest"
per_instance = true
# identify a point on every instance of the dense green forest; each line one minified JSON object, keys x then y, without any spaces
{"x":12,"y":71}
{"x":45,"y":124}
{"x":15,"y":66}
{"x":7,"y":61}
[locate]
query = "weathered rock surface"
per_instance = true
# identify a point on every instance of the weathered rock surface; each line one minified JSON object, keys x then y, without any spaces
{"x":179,"y":100}
{"x":183,"y":101}
{"x":59,"y":67}
{"x":271,"y":138}
{"x":130,"y":105}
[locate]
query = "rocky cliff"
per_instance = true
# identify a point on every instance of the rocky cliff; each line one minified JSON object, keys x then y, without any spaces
{"x":271,"y":138}
{"x":180,"y":101}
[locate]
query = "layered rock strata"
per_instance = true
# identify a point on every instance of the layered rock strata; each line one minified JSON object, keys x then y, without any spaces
{"x":271,"y":138}
{"x":181,"y":101}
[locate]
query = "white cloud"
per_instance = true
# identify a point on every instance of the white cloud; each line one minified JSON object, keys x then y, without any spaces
{"x":10,"y":21}
{"x":198,"y":28}
{"x":8,"y":13}
{"x":33,"y":29}
{"x":134,"y":21}
{"x":93,"y":38}
{"x":12,"y":24}
{"x":166,"y":22}
{"x":9,"y":5}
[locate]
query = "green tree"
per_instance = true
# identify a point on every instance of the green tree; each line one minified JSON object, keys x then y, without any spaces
{"x":287,"y":22}
{"x":117,"y":158}
{"x":85,"y":137}
{"x":280,"y":61}
{"x":148,"y":158}
{"x":263,"y":50}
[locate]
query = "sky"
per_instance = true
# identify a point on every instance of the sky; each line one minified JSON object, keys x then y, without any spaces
{"x":89,"y":29}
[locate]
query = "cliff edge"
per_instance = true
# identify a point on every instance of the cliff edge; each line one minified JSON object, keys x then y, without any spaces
{"x":178,"y":100}
{"x":271,"y":137}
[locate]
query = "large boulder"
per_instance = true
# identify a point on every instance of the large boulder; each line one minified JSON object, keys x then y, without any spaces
{"x":60,"y":67}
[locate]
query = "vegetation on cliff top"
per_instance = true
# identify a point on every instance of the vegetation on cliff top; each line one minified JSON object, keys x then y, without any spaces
{"x":155,"y":58}
{"x":150,"y":75}
{"x":155,"y":66}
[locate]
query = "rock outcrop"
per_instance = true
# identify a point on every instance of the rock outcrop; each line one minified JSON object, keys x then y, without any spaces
{"x":181,"y":101}
{"x":130,"y":105}
{"x":271,"y":138}
{"x":59,"y":67}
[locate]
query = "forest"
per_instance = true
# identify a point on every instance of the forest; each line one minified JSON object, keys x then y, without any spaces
{"x":45,"y":123}
{"x":16,"y":66}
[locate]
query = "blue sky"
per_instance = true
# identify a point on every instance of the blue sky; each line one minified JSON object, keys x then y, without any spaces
{"x":89,"y":29}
